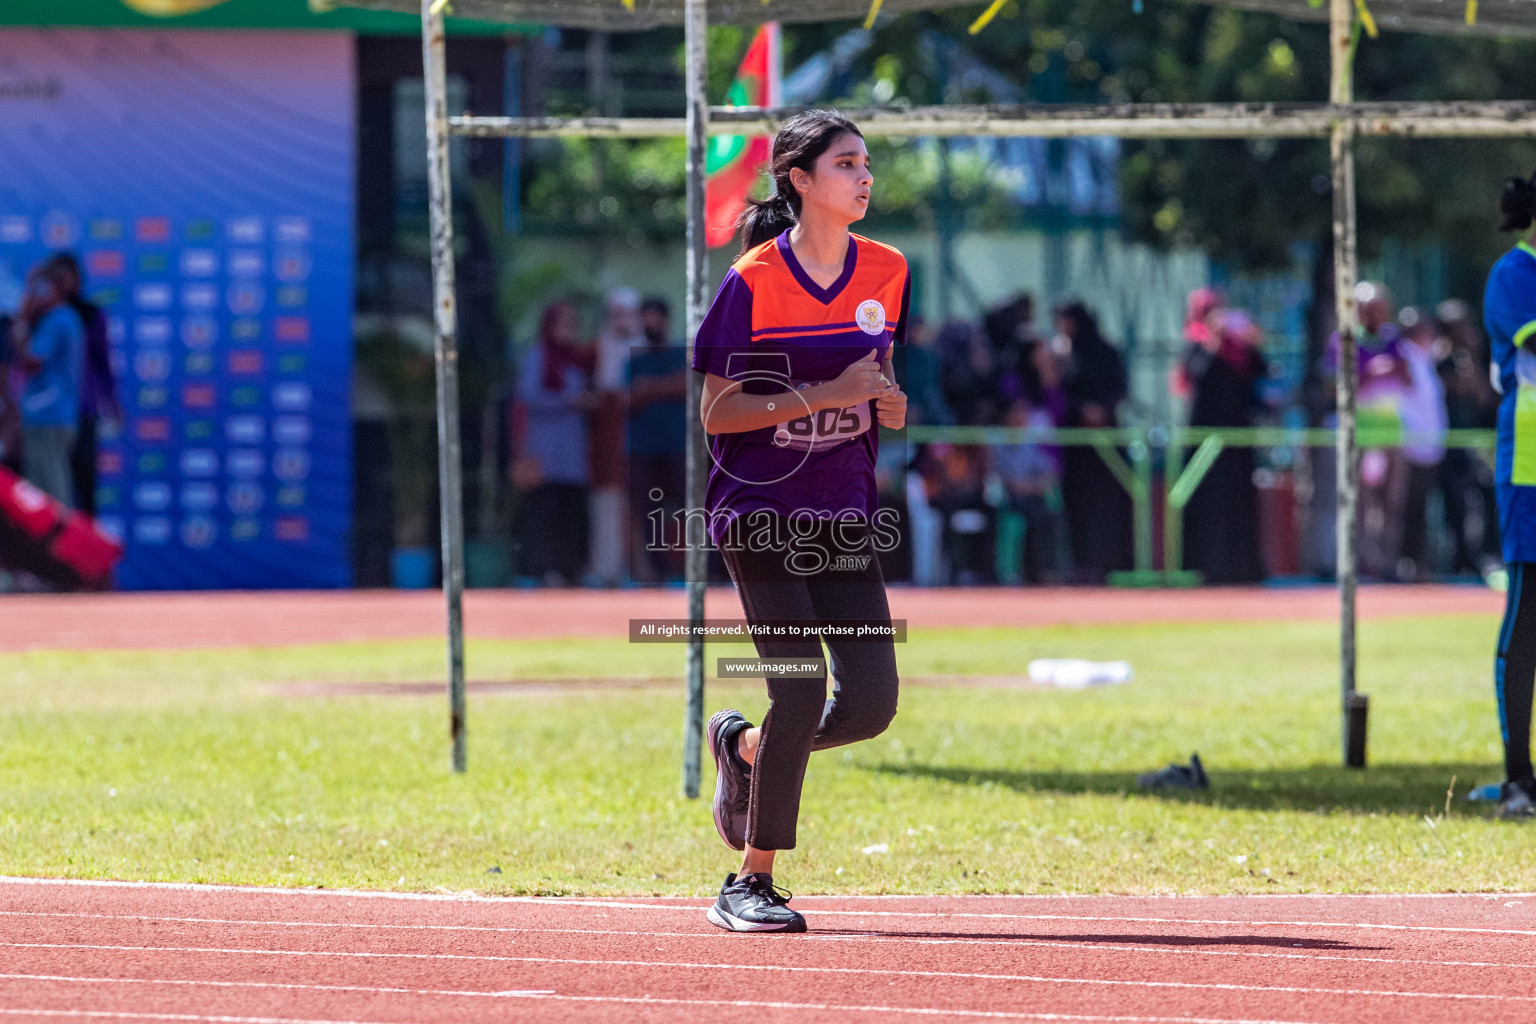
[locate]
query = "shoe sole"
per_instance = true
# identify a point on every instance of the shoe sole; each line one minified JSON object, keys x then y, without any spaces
{"x":719,"y":803}
{"x":720,"y":919}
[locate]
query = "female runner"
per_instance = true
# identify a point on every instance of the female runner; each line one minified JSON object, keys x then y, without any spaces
{"x":1509,"y":312}
{"x":796,"y":355}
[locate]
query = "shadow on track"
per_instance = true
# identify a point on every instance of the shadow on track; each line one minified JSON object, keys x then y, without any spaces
{"x":1413,"y":789}
{"x":1276,"y":941}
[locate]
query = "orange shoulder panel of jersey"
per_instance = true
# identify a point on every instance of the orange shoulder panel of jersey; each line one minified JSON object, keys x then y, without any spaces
{"x":783,"y":308}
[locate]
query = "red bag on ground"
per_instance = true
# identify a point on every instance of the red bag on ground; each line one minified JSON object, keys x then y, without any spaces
{"x":39,"y":534}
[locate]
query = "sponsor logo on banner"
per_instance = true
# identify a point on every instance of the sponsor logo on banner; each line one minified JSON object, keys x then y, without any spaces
{"x":198,"y":363}
{"x":15,"y":230}
{"x":60,"y":230}
{"x":246,"y":362}
{"x":151,"y":529}
{"x":202,"y":230}
{"x":292,"y":296}
{"x":105,"y":229}
{"x":199,"y":396}
{"x":246,"y":263}
{"x":292,"y":396}
{"x":199,"y":462}
{"x":198,"y":430}
{"x":152,"y":229}
{"x":151,"y":463}
{"x":291,"y":265}
{"x":246,"y":298}
{"x":199,"y":263}
{"x":154,"y":496}
{"x":245,"y":529}
{"x":152,"y":396}
{"x":152,"y":428}
{"x":247,"y":231}
{"x":200,"y":297}
{"x":291,"y":464}
{"x":245,"y":429}
{"x":293,"y":230}
{"x":245,"y":396}
{"x":105,"y":263}
{"x":152,"y":330}
{"x":245,"y":498}
{"x":292,"y":362}
{"x":152,"y":295}
{"x":292,"y":329}
{"x":245,"y":463}
{"x":199,"y":497}
{"x":291,"y":430}
{"x":109,"y":463}
{"x":199,"y":331}
{"x":107,"y":496}
{"x":291,"y":528}
{"x":291,"y":496}
{"x":199,"y":532}
{"x":152,"y":364}
{"x":153,"y":262}
{"x":245,"y":330}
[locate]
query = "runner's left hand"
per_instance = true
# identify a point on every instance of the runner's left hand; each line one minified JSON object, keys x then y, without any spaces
{"x":891,"y":409}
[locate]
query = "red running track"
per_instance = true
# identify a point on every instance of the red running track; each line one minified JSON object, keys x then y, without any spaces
{"x":130,"y":952}
{"x":127,"y":621}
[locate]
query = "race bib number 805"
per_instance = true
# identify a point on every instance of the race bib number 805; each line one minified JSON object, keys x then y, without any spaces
{"x":825,"y":428}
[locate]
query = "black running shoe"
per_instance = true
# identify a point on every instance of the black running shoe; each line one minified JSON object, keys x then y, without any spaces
{"x":733,"y":777}
{"x":754,"y":904}
{"x":1518,"y":800}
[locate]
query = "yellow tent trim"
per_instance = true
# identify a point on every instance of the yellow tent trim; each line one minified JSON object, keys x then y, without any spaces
{"x":171,"y":8}
{"x":986,"y":16}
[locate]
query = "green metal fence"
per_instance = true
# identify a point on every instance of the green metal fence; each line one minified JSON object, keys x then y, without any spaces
{"x":1141,"y":446}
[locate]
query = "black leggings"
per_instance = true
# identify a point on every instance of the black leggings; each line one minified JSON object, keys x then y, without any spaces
{"x":800,"y":718}
{"x":1514,"y":671}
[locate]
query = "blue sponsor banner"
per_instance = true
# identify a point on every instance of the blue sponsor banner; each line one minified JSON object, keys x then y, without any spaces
{"x":205,"y":179}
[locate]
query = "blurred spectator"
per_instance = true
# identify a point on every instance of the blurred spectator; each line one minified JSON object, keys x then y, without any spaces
{"x":960,"y":496}
{"x":549,"y":449}
{"x":658,"y":391}
{"x":966,"y":374}
{"x":621,"y":335}
{"x":1031,"y":472}
{"x":1466,"y":478}
{"x":926,"y":405}
{"x":98,"y":388}
{"x":50,"y":346}
{"x":1424,"y":425}
{"x":1383,"y":378}
{"x":1223,"y":370}
{"x":1098,"y":510}
{"x":10,"y":407}
{"x":1011,"y":334}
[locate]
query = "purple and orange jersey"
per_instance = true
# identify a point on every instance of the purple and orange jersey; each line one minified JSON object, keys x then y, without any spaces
{"x":777,"y":331}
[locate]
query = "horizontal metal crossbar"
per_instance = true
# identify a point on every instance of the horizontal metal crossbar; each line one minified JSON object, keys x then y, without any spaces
{"x":1128,"y":121}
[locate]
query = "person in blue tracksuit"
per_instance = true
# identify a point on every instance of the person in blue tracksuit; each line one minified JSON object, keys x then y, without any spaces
{"x":1509,"y":313}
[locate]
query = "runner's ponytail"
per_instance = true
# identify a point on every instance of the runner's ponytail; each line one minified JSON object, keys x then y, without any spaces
{"x":1517,"y":205}
{"x":799,"y":144}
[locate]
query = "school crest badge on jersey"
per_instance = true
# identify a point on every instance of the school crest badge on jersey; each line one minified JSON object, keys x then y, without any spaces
{"x":871,"y":317}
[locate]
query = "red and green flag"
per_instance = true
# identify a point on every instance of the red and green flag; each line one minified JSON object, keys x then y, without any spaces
{"x":732,"y":161}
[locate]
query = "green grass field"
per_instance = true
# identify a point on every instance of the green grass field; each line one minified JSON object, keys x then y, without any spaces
{"x":188,"y":766}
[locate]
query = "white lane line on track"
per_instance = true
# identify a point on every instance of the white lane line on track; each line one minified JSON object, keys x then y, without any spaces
{"x":468,"y":896}
{"x":715,"y":933}
{"x":660,"y":1001}
{"x":1059,"y":917}
{"x":792,"y":969}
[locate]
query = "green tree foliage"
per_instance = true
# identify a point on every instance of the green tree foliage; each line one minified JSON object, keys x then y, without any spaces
{"x":1244,"y":202}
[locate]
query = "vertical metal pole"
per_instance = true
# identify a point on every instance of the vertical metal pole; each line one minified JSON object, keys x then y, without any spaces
{"x":1341,"y":46}
{"x":445,"y":321}
{"x":696,"y":26}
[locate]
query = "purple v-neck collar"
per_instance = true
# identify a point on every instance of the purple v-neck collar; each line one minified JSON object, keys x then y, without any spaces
{"x":816,"y":291}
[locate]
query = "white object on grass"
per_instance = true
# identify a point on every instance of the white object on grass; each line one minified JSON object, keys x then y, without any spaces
{"x":878,"y":848}
{"x":1076,"y":674}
